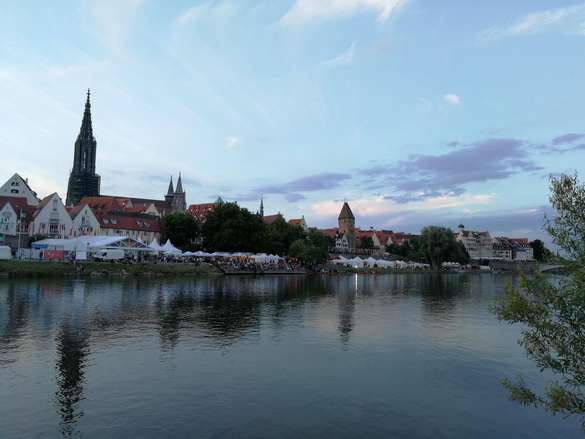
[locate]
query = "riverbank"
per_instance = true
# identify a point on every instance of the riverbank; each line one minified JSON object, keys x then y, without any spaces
{"x":16,"y":269}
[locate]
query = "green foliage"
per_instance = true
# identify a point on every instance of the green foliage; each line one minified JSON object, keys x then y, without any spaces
{"x":541,"y":253}
{"x":280,"y":235}
{"x":232,"y":228}
{"x":181,"y":228}
{"x":553,"y":313}
{"x":312,"y":251}
{"x":439,"y":245}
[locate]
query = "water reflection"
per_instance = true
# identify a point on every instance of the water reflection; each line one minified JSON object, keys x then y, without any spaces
{"x":72,"y":354}
{"x":276,"y":339}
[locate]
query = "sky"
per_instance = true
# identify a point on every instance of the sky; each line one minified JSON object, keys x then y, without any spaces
{"x":417,"y":112}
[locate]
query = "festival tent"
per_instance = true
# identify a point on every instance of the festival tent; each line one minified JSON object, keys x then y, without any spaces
{"x":356,"y":262}
{"x":371,"y":261}
{"x":155,"y":246}
{"x":383,"y":263}
{"x":170,"y":249}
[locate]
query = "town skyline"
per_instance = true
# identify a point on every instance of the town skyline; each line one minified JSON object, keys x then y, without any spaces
{"x":404,"y":163}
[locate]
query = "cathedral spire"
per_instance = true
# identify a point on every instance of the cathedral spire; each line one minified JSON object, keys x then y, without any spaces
{"x":171,"y":190}
{"x":261,"y":211}
{"x":179,"y":189}
{"x":86,"y":131}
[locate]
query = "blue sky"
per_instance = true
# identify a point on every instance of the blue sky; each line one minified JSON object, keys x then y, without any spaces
{"x":416,"y":111}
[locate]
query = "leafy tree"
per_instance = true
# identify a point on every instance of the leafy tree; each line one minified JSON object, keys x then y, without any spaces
{"x":439,"y":245}
{"x":312,"y":251}
{"x":280,"y":235}
{"x":181,"y":228}
{"x":541,"y":253}
{"x":232,"y":228}
{"x":553,"y":313}
{"x":367,"y":242}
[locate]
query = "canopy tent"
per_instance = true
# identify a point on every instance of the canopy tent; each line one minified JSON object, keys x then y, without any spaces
{"x":357,"y":262}
{"x":91,"y":243}
{"x":155,"y":246}
{"x":170,"y":249}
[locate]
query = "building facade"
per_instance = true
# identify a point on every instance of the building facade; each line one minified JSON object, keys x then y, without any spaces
{"x":83,"y":180}
{"x":18,"y":187}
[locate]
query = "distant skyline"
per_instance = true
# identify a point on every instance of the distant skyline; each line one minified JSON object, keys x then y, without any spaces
{"x":416,"y":111}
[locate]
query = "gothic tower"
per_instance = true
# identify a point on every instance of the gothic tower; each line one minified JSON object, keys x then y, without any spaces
{"x":180,"y":197}
{"x":83,"y":181}
{"x":170,"y":193}
{"x":346,"y":223}
{"x":261,"y":210}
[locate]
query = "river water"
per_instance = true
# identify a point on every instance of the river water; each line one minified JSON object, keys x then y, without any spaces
{"x":348,"y":356}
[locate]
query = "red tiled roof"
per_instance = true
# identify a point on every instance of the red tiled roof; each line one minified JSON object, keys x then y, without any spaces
{"x":129,"y":221}
{"x":329,"y":232}
{"x":269,"y":219}
{"x":296,"y":221}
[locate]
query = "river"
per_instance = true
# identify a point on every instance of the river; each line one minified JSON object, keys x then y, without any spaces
{"x":348,"y":356}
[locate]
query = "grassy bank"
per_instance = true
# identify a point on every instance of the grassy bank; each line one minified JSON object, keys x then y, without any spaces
{"x":15,"y":269}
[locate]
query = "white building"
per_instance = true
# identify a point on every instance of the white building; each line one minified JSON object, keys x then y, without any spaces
{"x":51,"y":218}
{"x":16,"y":186}
{"x":479,"y":245}
{"x":84,"y":221}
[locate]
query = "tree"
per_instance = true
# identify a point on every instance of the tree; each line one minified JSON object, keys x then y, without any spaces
{"x":312,"y":251}
{"x":232,"y":228}
{"x":553,"y":313}
{"x":438,"y":245}
{"x":181,"y":228}
{"x":541,"y":253}
{"x":280,"y":235}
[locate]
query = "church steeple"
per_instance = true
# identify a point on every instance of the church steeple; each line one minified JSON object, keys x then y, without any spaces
{"x":261,"y":211}
{"x":171,"y":190}
{"x":179,"y":189}
{"x":83,"y":180}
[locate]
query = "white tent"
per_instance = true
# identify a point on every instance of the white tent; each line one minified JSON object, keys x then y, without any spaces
{"x":357,"y":262}
{"x":371,"y":261}
{"x":170,"y":249}
{"x":383,"y":263}
{"x":91,"y":243}
{"x":155,"y":246}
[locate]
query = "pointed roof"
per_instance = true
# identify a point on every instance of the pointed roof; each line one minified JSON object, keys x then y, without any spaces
{"x":179,"y":189}
{"x":171,"y":190}
{"x":346,"y":212}
{"x":86,"y":131}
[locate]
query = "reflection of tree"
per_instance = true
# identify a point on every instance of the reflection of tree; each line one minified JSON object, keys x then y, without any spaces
{"x":179,"y":308}
{"x":229,"y":317}
{"x":72,"y":350}
{"x":17,"y":310}
{"x":439,"y":293}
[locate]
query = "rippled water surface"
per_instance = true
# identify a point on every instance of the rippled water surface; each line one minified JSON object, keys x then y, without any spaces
{"x":394,"y":356}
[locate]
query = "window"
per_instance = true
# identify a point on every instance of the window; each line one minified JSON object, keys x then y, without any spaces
{"x":14,"y":191}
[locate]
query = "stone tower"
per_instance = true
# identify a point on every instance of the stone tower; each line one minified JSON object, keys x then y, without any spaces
{"x":170,"y":193}
{"x":83,"y":181}
{"x":346,"y":224}
{"x":180,"y":198}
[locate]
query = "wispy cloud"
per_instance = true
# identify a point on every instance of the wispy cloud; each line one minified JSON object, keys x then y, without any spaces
{"x":113,"y":19}
{"x":568,"y":20}
{"x":452,"y":99}
{"x":306,"y":11}
{"x":204,"y":10}
{"x":344,"y":58}
{"x":232,"y":142}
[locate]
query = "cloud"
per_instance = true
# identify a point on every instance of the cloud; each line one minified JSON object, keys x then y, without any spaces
{"x":306,"y":11}
{"x":452,"y":99}
{"x":344,"y":58}
{"x":210,"y":8}
{"x":232,"y":142}
{"x":427,"y":176}
{"x":567,"y":138}
{"x":567,"y":20}
{"x":310,"y":183}
{"x":114,"y":18}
